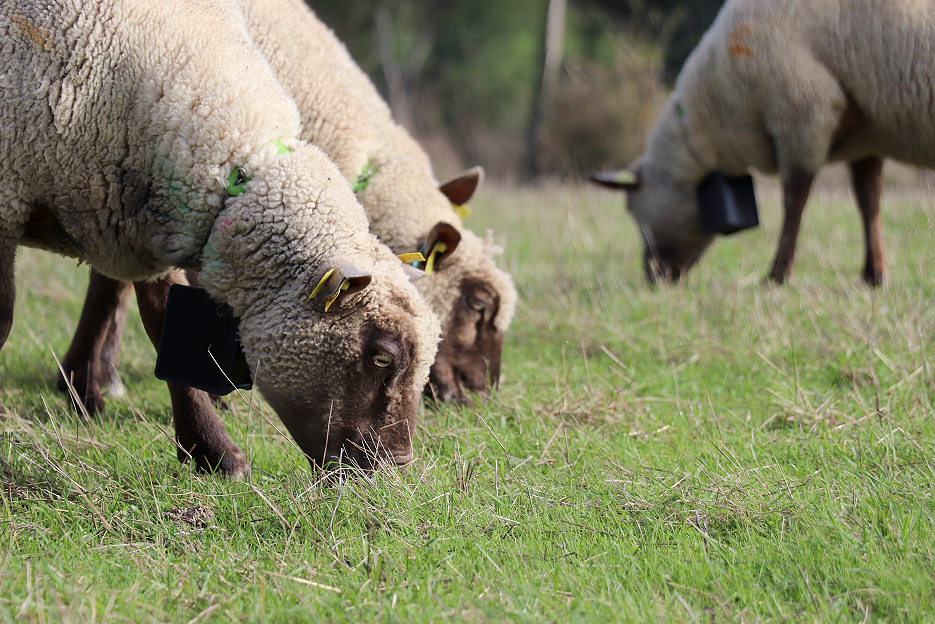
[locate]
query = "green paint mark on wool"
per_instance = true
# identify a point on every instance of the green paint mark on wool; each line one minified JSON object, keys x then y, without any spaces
{"x":178,"y":200}
{"x":364,"y":178}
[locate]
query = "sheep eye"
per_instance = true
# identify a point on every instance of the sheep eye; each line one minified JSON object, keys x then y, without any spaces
{"x":382,"y":360}
{"x":476,"y":304}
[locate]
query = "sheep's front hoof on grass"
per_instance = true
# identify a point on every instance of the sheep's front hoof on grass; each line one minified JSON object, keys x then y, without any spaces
{"x":232,"y":463}
{"x":83,"y":390}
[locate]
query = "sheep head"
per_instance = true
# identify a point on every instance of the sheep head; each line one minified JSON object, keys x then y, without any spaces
{"x":339,"y":341}
{"x":666,"y":213}
{"x":472,"y":297}
{"x":475,"y":301}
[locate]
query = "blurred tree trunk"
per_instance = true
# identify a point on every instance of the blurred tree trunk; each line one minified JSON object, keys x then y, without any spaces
{"x":551,"y":61}
{"x":404,"y":43}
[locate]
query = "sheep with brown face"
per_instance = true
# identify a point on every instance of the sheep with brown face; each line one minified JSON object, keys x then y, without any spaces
{"x":136,"y":151}
{"x":787,"y":86}
{"x":343,"y":114}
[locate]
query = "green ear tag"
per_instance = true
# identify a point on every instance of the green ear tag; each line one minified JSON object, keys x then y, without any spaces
{"x":281,"y":148}
{"x":236,"y":181}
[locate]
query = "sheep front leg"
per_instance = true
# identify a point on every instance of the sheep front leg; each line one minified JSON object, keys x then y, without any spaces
{"x":198,"y":430}
{"x":7,"y":288}
{"x":92,"y":350}
{"x":867,"y":182}
{"x":796,"y":186}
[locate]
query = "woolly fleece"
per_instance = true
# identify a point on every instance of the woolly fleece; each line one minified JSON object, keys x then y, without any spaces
{"x":343,"y":114}
{"x":121,"y":122}
{"x":768,"y":87}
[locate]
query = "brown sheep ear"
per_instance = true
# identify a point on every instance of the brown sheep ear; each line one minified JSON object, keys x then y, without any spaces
{"x":439,"y":244}
{"x":461,"y":188}
{"x":621,"y":179}
{"x":339,"y":279}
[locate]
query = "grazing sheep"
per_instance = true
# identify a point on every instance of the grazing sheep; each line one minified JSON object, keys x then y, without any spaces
{"x":343,"y":114}
{"x":787,"y":86}
{"x":141,"y":136}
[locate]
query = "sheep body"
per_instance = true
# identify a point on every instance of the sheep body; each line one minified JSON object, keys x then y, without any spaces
{"x":122,"y":121}
{"x":344,"y":115}
{"x":787,"y":86}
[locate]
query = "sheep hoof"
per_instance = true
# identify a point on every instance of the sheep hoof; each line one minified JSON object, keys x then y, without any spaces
{"x":91,"y":401}
{"x":871,"y":278}
{"x":775,"y":277}
{"x":230,"y":463}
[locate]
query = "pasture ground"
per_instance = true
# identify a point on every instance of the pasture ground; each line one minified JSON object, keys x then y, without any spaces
{"x":718,"y":451}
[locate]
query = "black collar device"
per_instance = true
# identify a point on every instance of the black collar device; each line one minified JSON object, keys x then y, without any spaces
{"x":196,"y":328}
{"x":727,"y":205}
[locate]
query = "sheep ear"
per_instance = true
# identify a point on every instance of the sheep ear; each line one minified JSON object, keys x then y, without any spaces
{"x":622,"y":179}
{"x":439,"y":244}
{"x":461,"y":188}
{"x":337,"y":280}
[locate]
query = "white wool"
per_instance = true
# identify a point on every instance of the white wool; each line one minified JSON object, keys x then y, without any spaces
{"x":121,"y":122}
{"x":344,"y":115}
{"x":767,"y":88}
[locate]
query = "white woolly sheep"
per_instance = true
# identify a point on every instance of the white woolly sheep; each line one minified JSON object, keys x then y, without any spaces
{"x":139,"y":136}
{"x":787,"y":86}
{"x":344,"y":115}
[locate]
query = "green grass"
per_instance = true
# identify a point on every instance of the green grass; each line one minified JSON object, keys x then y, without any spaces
{"x":716,"y":451}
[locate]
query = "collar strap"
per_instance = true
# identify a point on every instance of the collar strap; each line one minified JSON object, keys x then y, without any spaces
{"x":363,"y":179}
{"x":238,"y":179}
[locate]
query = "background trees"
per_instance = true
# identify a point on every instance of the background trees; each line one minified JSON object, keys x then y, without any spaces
{"x":469,"y":78}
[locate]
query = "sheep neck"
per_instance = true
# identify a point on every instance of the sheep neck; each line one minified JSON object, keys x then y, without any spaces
{"x":686,"y":138}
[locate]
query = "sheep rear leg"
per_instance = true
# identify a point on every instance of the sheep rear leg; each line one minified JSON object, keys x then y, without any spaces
{"x":796,"y":186}
{"x":85,"y":365}
{"x":7,"y":288}
{"x":198,"y":430}
{"x":867,"y":182}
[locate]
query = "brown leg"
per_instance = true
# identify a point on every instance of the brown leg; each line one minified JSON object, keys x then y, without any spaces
{"x":796,"y":185}
{"x":7,"y":287}
{"x":108,"y":358}
{"x":867,"y":180}
{"x":84,"y":365}
{"x":198,"y":430}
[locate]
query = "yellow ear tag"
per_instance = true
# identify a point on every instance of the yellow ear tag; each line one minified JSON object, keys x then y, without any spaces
{"x":344,"y":286}
{"x":625,"y":177}
{"x":320,"y":284}
{"x":463,"y":212}
{"x":439,"y":248}
{"x":409,"y":258}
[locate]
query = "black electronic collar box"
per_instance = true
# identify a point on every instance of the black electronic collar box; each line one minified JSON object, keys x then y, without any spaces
{"x":727,"y":205}
{"x":195,"y":329}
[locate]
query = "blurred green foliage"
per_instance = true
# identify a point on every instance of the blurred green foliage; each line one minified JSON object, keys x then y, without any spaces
{"x":462,"y":76}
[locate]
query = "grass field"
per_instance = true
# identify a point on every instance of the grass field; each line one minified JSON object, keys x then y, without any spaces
{"x":716,"y":451}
